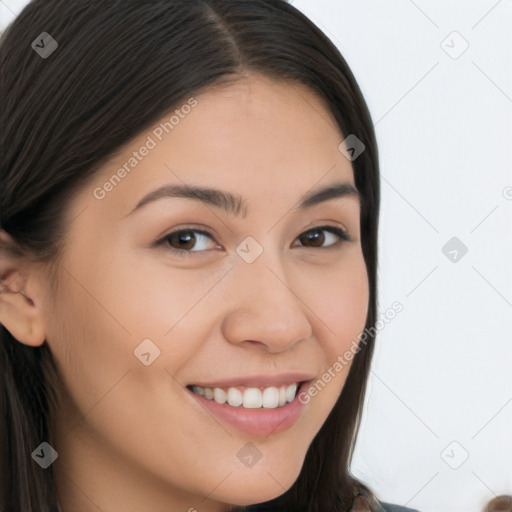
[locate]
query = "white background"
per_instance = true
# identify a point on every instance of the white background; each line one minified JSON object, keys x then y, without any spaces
{"x":437,"y":425}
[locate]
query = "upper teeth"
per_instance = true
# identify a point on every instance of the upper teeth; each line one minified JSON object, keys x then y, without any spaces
{"x":250,"y":398}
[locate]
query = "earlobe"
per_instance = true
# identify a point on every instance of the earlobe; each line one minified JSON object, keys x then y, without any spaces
{"x":20,"y":316}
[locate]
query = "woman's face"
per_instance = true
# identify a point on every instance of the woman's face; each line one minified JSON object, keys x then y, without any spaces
{"x":265,"y":299}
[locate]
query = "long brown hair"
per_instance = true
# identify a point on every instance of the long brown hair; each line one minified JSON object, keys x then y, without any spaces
{"x":501,"y":503}
{"x":120,"y":65}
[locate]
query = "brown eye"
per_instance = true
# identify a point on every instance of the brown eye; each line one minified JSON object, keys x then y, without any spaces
{"x":317,"y":239}
{"x":314,"y":236}
{"x":182,"y":241}
{"x":185,"y":239}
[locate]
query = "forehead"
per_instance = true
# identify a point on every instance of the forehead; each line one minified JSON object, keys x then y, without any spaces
{"x":259,"y":138}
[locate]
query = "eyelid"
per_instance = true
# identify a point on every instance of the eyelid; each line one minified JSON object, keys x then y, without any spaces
{"x":337,"y":230}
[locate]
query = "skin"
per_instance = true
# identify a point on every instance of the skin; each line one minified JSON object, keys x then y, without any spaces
{"x":129,"y":437}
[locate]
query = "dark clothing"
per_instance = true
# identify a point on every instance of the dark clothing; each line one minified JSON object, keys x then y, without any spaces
{"x":389,"y":507}
{"x":362,"y":504}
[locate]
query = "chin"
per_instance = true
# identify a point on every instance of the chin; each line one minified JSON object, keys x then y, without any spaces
{"x":250,"y":496}
{"x":258,"y":487}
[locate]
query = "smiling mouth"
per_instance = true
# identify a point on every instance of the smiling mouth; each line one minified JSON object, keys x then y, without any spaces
{"x":270,"y":397}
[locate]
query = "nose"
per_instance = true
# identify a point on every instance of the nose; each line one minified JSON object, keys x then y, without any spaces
{"x":265,"y":308}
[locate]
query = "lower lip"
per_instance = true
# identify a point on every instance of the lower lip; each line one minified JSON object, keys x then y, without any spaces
{"x":259,"y":422}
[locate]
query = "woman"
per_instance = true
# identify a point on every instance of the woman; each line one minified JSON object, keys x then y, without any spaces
{"x":141,"y":368}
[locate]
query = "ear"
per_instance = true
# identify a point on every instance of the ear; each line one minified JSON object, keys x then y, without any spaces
{"x":20,"y":295}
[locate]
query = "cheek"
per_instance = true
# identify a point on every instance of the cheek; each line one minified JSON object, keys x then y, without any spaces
{"x":152,"y":295}
{"x":90,"y":343}
{"x":104,"y":310}
{"x":342,"y":305}
{"x":111,"y":302}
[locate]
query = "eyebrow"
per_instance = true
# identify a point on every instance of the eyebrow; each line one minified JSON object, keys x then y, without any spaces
{"x":235,"y":204}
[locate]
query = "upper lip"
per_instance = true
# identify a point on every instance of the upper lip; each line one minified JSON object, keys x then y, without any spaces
{"x":257,"y":380}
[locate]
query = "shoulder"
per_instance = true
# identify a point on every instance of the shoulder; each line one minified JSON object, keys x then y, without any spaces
{"x":390,"y":507}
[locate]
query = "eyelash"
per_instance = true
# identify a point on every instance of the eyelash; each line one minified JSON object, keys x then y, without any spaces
{"x":341,"y":233}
